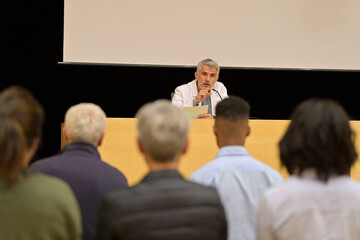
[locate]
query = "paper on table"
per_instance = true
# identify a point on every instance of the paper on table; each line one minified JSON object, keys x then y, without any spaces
{"x":193,"y":112}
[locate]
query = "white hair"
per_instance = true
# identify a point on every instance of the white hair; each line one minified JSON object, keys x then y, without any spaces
{"x":162,"y":130}
{"x":85,"y":122}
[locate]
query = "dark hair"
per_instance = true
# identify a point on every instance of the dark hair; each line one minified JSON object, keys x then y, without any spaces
{"x":319,"y":137}
{"x":12,"y":149}
{"x":233,"y":108}
{"x":21,"y":117}
{"x":18,"y":103}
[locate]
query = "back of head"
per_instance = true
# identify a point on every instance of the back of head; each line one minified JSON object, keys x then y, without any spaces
{"x":210,"y":63}
{"x":18,"y":103}
{"x":233,"y":108}
{"x":319,"y":137}
{"x":21,"y":120}
{"x":162,"y":130}
{"x":231,"y":121}
{"x":85,"y":122}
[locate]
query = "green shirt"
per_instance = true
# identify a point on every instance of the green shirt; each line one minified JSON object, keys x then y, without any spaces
{"x":38,"y":207}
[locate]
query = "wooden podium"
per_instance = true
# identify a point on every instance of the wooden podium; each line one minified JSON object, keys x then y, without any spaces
{"x":120,"y":150}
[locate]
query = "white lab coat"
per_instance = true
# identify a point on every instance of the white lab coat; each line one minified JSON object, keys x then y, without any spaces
{"x":185,"y":94}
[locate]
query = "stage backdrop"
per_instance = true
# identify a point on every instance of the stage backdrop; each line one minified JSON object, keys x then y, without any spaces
{"x":302,"y":34}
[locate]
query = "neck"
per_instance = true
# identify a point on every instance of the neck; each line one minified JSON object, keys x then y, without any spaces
{"x":162,"y":166}
{"x":231,"y":142}
{"x":158,"y":166}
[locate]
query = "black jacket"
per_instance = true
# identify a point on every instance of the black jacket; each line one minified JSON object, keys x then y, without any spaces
{"x":163,"y":206}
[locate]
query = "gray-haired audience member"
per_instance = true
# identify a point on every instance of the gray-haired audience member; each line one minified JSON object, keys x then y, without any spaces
{"x":32,"y":206}
{"x":204,"y":90}
{"x":318,"y":200}
{"x":80,"y":165}
{"x":239,"y":178}
{"x":163,"y":205}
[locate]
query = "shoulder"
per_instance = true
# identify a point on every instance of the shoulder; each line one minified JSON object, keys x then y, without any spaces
{"x":52,"y":189}
{"x":186,"y":86}
{"x":269,"y":171}
{"x":44,"y":162}
{"x":113,"y":174}
{"x":209,"y":169}
{"x":219,"y":85}
{"x":48,"y":183}
{"x":148,"y":191}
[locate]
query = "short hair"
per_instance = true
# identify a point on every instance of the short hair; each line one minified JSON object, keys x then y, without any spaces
{"x":21,"y":122}
{"x":233,"y":108}
{"x":162,"y":130}
{"x":319,"y":137}
{"x":18,"y":103}
{"x":85,"y":122}
{"x":210,"y":63}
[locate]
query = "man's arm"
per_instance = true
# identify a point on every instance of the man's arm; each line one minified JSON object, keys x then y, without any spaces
{"x":202,"y":95}
{"x":178,"y":98}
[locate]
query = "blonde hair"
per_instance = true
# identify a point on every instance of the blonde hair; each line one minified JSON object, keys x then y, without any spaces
{"x":162,"y":130}
{"x":85,"y":122}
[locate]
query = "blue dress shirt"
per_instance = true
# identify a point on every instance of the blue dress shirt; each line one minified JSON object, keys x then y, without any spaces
{"x":240,"y":181}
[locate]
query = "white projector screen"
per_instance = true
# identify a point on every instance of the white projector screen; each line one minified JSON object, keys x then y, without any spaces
{"x":300,"y":34}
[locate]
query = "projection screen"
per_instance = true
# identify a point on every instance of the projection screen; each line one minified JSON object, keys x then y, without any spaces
{"x":300,"y":34}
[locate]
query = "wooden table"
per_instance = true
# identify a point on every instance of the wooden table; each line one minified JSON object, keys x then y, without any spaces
{"x":120,"y":150}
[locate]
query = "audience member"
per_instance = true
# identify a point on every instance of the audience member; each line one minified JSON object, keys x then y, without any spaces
{"x":204,"y":90}
{"x":239,"y":178}
{"x":32,"y":206}
{"x":318,"y":200}
{"x":80,"y":165}
{"x":163,"y":205}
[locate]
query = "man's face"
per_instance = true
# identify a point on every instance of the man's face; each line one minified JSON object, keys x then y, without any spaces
{"x":206,"y":77}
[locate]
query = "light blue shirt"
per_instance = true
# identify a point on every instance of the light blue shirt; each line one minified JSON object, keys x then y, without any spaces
{"x":240,"y":181}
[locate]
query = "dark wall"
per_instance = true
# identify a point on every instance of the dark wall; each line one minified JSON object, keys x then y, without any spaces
{"x":32,"y":47}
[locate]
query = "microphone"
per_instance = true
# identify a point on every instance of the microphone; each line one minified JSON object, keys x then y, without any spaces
{"x":217,"y":93}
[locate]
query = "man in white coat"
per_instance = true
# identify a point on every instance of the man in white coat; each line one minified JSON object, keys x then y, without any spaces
{"x":203,"y":90}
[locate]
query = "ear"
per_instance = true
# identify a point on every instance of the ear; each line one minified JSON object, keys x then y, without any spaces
{"x":196,"y":74}
{"x":248,"y":130}
{"x":141,"y":149}
{"x":186,"y":146}
{"x":65,"y":135}
{"x":101,"y":139}
{"x":215,"y":130}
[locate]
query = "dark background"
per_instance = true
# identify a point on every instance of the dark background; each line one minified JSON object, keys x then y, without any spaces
{"x":31,"y":47}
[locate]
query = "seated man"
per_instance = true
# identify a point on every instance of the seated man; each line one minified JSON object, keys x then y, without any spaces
{"x":239,"y":178}
{"x":163,"y":205}
{"x":204,"y":90}
{"x":80,"y":165}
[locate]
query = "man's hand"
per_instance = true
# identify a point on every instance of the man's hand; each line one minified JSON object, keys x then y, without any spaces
{"x":203,"y":94}
{"x":205,"y":116}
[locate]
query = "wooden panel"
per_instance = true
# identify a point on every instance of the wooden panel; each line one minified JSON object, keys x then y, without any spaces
{"x":120,"y":150}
